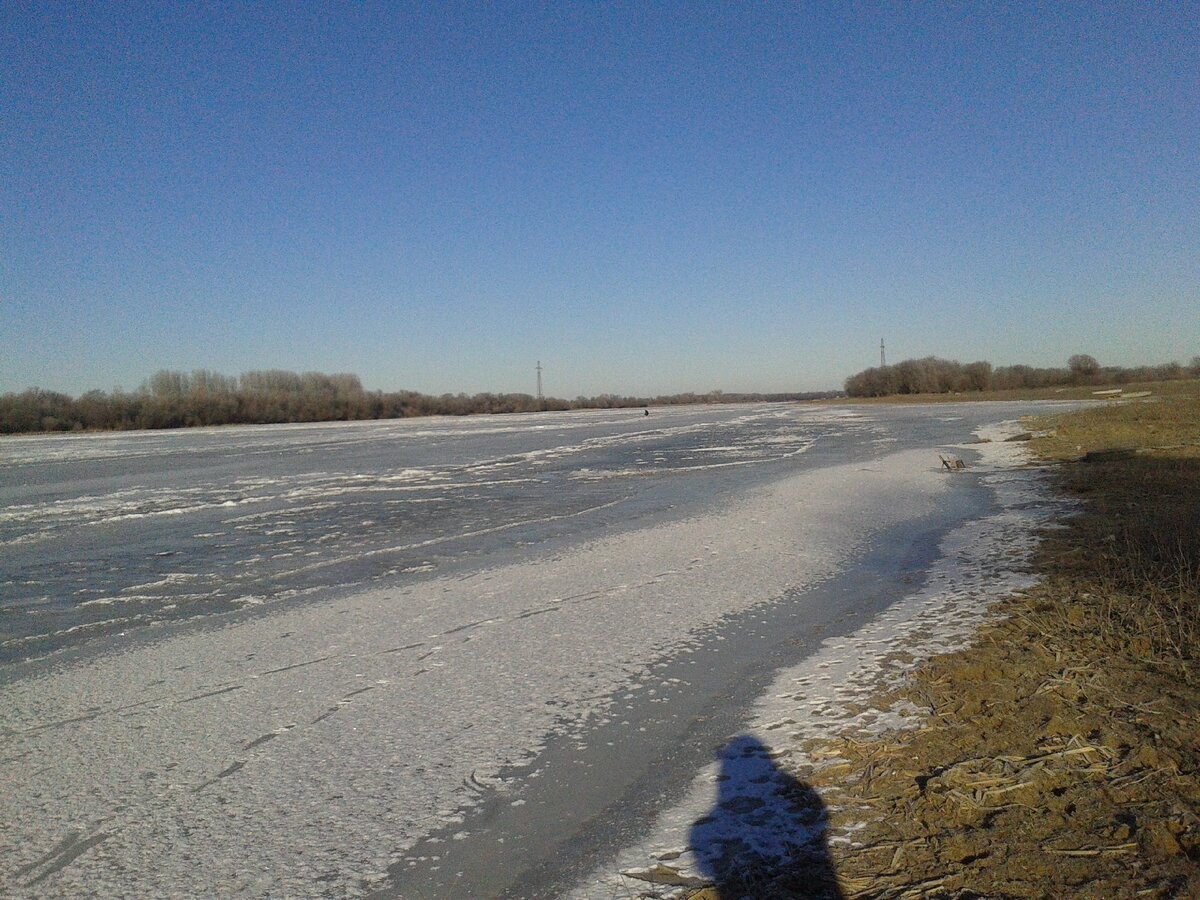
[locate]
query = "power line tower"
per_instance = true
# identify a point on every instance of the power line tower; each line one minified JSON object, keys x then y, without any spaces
{"x":539,"y":380}
{"x":882,"y":356}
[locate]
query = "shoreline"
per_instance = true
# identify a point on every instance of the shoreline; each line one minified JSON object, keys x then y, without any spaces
{"x":834,"y":690}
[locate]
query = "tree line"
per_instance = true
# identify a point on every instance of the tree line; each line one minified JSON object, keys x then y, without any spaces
{"x":932,"y":375}
{"x":171,"y":399}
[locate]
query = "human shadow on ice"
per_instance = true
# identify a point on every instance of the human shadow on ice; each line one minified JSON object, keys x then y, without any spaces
{"x":765,"y":836}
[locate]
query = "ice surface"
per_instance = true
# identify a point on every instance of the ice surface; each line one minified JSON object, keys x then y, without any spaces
{"x":273,"y":512}
{"x":302,"y":752}
{"x":978,"y":563}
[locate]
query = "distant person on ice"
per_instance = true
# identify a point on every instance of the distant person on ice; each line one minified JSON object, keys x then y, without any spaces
{"x":647,"y":412}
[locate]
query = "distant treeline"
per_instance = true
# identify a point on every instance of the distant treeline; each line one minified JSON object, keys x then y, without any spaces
{"x":943,"y":376}
{"x":182,"y":399}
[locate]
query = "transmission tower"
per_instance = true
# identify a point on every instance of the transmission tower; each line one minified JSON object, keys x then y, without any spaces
{"x":882,"y":357}
{"x":539,"y":379}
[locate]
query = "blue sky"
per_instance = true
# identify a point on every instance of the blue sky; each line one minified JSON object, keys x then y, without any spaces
{"x":648,"y":198}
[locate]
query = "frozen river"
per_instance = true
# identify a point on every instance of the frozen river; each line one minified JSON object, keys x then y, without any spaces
{"x":467,"y":657}
{"x":104,"y":533}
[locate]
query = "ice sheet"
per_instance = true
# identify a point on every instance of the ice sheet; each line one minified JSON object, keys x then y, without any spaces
{"x":300,"y":754}
{"x":978,"y":563}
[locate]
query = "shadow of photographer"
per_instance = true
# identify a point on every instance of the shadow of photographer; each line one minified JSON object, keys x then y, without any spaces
{"x":765,"y":836}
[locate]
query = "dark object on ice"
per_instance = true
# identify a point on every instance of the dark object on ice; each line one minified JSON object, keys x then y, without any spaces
{"x":765,"y":837}
{"x":647,"y":412}
{"x":953,"y":463}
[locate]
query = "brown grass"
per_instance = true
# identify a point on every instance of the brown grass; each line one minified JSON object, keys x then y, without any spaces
{"x":1164,"y":426}
{"x":1137,"y":548}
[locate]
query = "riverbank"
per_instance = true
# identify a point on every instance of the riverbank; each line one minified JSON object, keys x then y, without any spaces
{"x":1059,"y":753}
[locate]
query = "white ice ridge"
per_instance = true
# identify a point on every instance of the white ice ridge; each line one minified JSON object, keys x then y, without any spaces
{"x":301,"y":753}
{"x":738,"y":799}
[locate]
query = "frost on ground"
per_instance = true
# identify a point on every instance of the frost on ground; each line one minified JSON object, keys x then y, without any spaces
{"x":751,"y":808}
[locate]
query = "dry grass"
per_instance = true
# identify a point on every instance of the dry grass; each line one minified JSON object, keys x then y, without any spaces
{"x":1137,"y":549}
{"x":1165,"y":426}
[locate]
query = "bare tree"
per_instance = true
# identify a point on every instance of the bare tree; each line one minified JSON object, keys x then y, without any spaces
{"x":1084,"y":368}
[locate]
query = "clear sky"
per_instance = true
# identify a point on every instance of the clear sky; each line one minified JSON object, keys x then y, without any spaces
{"x":648,"y":198}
